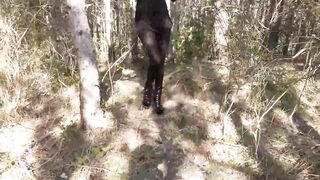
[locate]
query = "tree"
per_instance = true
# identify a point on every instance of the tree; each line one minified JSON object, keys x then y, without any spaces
{"x":134,"y":37}
{"x":288,"y":27}
{"x":108,"y":25}
{"x":90,"y":110}
{"x":220,"y":28}
{"x":275,"y":14}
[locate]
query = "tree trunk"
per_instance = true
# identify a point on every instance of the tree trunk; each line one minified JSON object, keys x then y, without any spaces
{"x":287,"y":30}
{"x":275,"y":26}
{"x":106,"y":39}
{"x":134,"y":37}
{"x":170,"y":56}
{"x":175,"y":17}
{"x":307,"y":26}
{"x":59,"y":25}
{"x":288,"y":27}
{"x":108,"y":24}
{"x":91,"y":113}
{"x":221,"y":26}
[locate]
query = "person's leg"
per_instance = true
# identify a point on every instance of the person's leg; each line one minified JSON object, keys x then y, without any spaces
{"x":149,"y":41}
{"x":163,"y":40}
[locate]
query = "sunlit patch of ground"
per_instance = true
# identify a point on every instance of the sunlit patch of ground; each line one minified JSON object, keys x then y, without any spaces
{"x":15,"y":140}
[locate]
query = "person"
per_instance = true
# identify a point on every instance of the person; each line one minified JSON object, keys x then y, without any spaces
{"x":153,"y":26}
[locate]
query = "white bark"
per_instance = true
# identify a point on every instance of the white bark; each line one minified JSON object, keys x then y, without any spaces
{"x":134,"y":37}
{"x":91,"y":113}
{"x":108,"y":22}
{"x":133,"y":4}
{"x":221,"y":28}
{"x":170,"y":48}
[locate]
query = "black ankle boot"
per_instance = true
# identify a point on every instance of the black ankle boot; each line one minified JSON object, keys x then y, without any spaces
{"x":147,"y":97}
{"x":157,"y":101}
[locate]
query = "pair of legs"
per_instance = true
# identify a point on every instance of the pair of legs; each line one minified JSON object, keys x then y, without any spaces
{"x":156,"y":45}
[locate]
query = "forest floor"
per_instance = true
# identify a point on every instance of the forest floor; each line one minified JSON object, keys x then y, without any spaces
{"x":208,"y":131}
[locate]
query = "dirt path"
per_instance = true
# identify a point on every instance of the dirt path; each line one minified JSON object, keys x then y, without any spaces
{"x":197,"y":137}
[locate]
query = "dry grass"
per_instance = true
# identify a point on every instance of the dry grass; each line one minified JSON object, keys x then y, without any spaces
{"x":20,"y":78}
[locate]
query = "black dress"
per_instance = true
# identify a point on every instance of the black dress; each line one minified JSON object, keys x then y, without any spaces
{"x":152,"y":15}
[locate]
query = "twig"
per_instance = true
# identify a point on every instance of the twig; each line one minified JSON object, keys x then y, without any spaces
{"x":118,"y":61}
{"x":225,"y":117}
{"x":94,"y":167}
{"x":299,"y":53}
{"x":62,"y":83}
{"x":208,"y":78}
{"x":266,"y":112}
{"x":233,"y":145}
{"x":314,"y":175}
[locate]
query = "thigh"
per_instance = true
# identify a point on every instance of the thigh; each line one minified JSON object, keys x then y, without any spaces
{"x":150,"y":42}
{"x":163,"y":42}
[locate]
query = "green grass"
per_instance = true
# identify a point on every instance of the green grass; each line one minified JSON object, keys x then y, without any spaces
{"x":5,"y":162}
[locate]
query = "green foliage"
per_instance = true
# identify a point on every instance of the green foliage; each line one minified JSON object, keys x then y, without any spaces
{"x":99,"y":151}
{"x":211,"y":2}
{"x":81,"y":159}
{"x":94,"y":152}
{"x":69,"y":133}
{"x":5,"y":162}
{"x":193,"y":40}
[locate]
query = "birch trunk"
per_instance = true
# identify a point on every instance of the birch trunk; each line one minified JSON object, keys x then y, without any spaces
{"x":134,"y":37}
{"x":108,"y":24}
{"x":221,"y":26}
{"x":90,"y":110}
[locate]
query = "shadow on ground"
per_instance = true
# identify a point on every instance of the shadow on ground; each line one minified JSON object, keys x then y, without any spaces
{"x":284,"y":148}
{"x":163,"y":156}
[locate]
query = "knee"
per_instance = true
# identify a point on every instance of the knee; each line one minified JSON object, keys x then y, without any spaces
{"x":156,"y":63}
{"x":149,"y":42}
{"x":155,"y":58}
